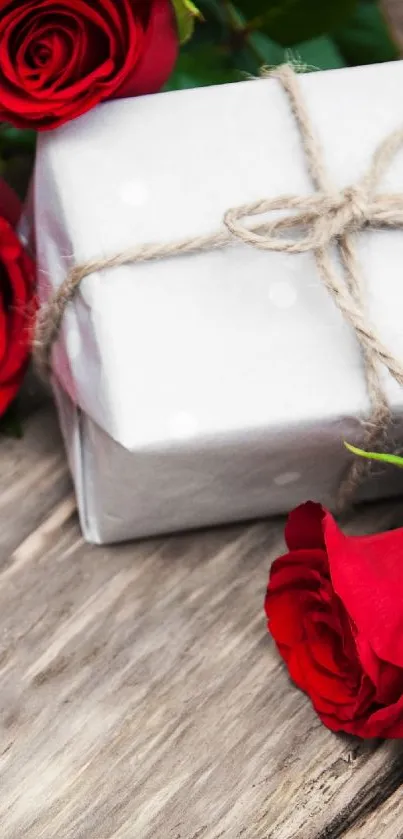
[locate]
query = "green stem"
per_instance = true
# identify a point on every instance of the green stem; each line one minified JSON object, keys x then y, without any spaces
{"x":233,"y":18}
{"x":239,"y":32}
{"x":261,"y":62}
{"x":242,"y":32}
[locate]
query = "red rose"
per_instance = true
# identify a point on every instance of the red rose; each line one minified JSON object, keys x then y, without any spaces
{"x":335,"y":609}
{"x":10,"y":205}
{"x":59,"y":58}
{"x":17,"y":305}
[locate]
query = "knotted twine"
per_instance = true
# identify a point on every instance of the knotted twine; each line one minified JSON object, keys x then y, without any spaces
{"x":330,"y":217}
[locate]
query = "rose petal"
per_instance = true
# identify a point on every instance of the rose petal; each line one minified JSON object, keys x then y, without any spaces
{"x":300,"y":568}
{"x":16,"y":312}
{"x":285,"y":619}
{"x":318,"y":682}
{"x":383,"y":722}
{"x":10,"y":205}
{"x":386,"y":677}
{"x":160,"y":52}
{"x":304,"y":528}
{"x":367,"y":574}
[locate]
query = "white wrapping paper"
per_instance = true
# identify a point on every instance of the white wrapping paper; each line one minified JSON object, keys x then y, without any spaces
{"x":219,"y":386}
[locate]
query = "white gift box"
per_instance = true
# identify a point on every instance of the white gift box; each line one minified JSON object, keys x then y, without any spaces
{"x":219,"y":386}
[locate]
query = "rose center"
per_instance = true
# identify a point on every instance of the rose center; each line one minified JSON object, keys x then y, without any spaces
{"x":39,"y":54}
{"x":51,"y":52}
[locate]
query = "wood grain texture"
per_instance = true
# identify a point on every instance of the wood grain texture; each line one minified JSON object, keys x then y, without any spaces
{"x":385,"y":821}
{"x":33,"y":479}
{"x":141,"y":696}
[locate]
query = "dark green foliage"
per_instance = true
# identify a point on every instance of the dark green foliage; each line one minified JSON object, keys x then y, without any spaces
{"x":10,"y":423}
{"x":291,"y":22}
{"x":238,"y":39}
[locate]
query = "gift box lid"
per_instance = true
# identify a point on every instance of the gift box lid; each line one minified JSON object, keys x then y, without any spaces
{"x":215,"y":343}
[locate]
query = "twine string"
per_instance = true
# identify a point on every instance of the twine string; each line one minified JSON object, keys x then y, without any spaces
{"x":316,"y":223}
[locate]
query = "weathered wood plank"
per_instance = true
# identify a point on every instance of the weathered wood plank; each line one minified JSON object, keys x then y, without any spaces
{"x":33,"y":477}
{"x":385,"y":822}
{"x":141,"y":696}
{"x":329,"y":804}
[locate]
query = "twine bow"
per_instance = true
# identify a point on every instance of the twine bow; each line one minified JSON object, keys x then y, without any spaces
{"x":329,"y":217}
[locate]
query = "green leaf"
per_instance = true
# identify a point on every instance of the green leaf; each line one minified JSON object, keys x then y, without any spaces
{"x":212,"y":10}
{"x":290,"y":22}
{"x":365,"y":38}
{"x":10,"y":422}
{"x":206,"y":65}
{"x":16,"y":141}
{"x":318,"y":54}
{"x":384,"y":458}
{"x":266,"y":51}
{"x":186,"y":12}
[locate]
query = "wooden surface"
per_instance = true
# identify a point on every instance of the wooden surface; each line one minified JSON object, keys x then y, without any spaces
{"x":141,"y":697}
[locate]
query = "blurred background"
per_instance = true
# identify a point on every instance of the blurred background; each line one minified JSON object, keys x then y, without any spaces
{"x":229,"y":42}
